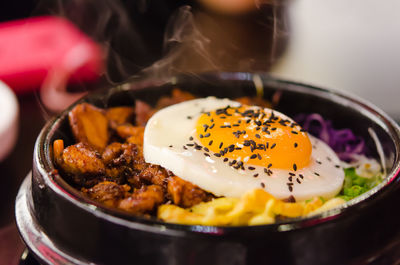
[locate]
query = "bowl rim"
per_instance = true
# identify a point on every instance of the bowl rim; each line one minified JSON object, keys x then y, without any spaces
{"x":43,"y":161}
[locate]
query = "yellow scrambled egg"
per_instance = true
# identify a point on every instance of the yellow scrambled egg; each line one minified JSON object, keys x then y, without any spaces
{"x":254,"y":208}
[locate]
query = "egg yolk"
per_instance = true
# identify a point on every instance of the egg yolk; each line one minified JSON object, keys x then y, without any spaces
{"x":254,"y":136}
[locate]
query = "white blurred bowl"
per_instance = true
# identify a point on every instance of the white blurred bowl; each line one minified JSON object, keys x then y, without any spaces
{"x":8,"y":120}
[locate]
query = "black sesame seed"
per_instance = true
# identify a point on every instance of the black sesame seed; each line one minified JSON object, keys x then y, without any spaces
{"x":212,"y":126}
{"x":253,"y":156}
{"x":206,"y":154}
{"x":289,"y":184}
{"x":301,"y":176}
{"x":292,"y":174}
{"x":259,"y":156}
{"x":251,"y":168}
{"x":189,"y":144}
{"x":294,"y":132}
{"x":337,"y":166}
{"x":255,"y":175}
{"x":207,"y":135}
{"x":294,"y":167}
{"x":295,"y":145}
{"x":240,"y":163}
{"x":272,"y":146}
{"x":258,"y":136}
{"x":225,"y":159}
{"x":219,"y":155}
{"x":184,"y":147}
{"x":206,"y":149}
{"x":290,"y":188}
{"x":298,"y":181}
{"x":201,"y":136}
{"x":328,"y":158}
{"x":262,"y":184}
{"x":191,"y":138}
{"x":220,"y":145}
{"x":290,"y":178}
{"x":210,"y":142}
{"x":269,"y":165}
{"x":315,"y":173}
{"x":318,"y":162}
{"x":246,"y":143}
{"x":189,"y":117}
{"x":273,"y":129}
{"x":265,"y":170}
{"x":170,"y":146}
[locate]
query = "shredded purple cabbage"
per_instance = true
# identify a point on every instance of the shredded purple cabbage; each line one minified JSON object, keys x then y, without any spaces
{"x":342,"y":141}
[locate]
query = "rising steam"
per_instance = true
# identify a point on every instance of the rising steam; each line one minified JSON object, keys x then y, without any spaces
{"x":195,"y":41}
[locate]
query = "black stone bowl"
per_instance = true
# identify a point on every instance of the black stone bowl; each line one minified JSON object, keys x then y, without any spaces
{"x":60,"y":226}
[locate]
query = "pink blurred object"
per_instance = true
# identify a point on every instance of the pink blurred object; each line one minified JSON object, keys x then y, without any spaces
{"x":31,"y":48}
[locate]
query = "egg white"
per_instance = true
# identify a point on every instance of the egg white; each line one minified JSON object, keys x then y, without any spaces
{"x":168,"y":131}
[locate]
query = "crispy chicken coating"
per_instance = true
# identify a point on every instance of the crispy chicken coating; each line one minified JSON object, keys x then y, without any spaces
{"x":107,"y":192}
{"x":80,"y":159}
{"x":89,"y":125}
{"x":184,"y":193}
{"x":134,"y":133}
{"x":119,"y":115}
{"x":143,"y":200}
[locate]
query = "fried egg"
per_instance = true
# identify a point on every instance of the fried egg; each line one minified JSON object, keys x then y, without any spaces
{"x":229,"y":149}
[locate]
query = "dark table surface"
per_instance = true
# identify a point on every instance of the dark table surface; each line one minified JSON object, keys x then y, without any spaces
{"x":13,"y":170}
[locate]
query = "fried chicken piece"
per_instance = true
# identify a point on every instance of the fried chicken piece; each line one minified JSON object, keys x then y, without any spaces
{"x":111,"y":152}
{"x":119,"y":115}
{"x":177,"y":96}
{"x":89,"y":125}
{"x":134,"y":133}
{"x":154,"y":174}
{"x":184,"y":193}
{"x":81,"y":164}
{"x":120,"y":160}
{"x":80,"y":159}
{"x":143,"y":200}
{"x":107,"y":192}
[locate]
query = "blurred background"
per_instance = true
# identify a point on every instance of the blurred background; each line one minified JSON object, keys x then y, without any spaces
{"x":340,"y":44}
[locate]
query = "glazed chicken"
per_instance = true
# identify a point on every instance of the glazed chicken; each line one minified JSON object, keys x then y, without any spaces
{"x":107,"y":162}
